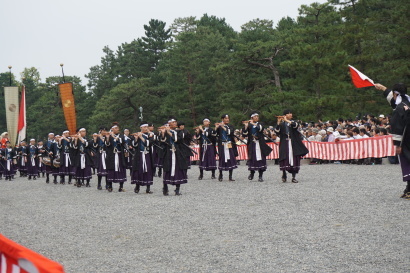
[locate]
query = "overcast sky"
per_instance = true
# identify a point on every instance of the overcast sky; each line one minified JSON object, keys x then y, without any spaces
{"x":45,"y":33}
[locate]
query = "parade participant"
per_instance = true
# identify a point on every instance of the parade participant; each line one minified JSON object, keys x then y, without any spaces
{"x":128,"y":149}
{"x":4,"y":138}
{"x":99,"y":147}
{"x":32,"y":160}
{"x":400,"y":124}
{"x":291,"y":147}
{"x":51,"y":149}
{"x":226,"y":147}
{"x":175,"y":158}
{"x":187,"y":142}
{"x":81,"y":158}
{"x":258,"y":150}
{"x":41,"y":153}
{"x":154,"y":147}
{"x":22,"y":152}
{"x":159,"y":161}
{"x":8,"y":155}
{"x":115,"y":161}
{"x":65,"y":150}
{"x":207,"y":148}
{"x":94,"y":153}
{"x":143,"y":166}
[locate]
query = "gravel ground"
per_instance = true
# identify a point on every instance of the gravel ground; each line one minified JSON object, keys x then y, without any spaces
{"x":339,"y":218}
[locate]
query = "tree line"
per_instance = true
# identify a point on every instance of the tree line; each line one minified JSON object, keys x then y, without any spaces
{"x":202,"y":67}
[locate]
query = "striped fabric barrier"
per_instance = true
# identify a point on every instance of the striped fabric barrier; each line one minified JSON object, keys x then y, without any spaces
{"x":376,"y":147}
{"x":15,"y":258}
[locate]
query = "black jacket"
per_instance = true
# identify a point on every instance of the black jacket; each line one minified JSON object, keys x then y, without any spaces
{"x":299,"y":149}
{"x":247,"y":132}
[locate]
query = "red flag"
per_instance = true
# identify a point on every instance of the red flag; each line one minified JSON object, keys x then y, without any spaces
{"x":21,"y":128}
{"x":359,"y":79}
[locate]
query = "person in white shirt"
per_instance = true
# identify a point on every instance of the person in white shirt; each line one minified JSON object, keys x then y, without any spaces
{"x":330,"y":136}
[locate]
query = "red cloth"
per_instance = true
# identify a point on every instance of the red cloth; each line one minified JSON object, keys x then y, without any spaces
{"x":359,"y":79}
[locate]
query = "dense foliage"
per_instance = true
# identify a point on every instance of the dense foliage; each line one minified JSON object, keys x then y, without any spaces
{"x":202,"y":67}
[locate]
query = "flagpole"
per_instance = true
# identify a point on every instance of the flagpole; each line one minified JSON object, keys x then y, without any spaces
{"x":10,"y":73}
{"x":62,"y":71}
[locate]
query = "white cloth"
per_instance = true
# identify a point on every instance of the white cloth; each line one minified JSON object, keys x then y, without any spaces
{"x":226,"y":152}
{"x":116,"y":162}
{"x":258,"y":151}
{"x":173,"y":163}
{"x":82,"y":161}
{"x":399,"y":99}
{"x":144,"y":162}
{"x":67,"y":160}
{"x":290,"y":153}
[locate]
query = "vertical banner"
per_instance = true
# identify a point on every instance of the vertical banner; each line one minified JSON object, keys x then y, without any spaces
{"x":11,"y":101}
{"x":67,"y":101}
{"x":22,"y":125}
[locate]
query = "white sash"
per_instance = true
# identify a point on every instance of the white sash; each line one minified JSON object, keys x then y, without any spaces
{"x":67,"y":160}
{"x":226,"y":152}
{"x":8,"y":164}
{"x":290,"y":152}
{"x":103,"y":155}
{"x":82,"y":161}
{"x":258,"y":151}
{"x":173,"y":158}
{"x":144,"y":162}
{"x":117,"y":162}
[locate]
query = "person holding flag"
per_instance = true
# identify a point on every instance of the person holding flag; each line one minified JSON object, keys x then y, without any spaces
{"x":400,"y":127}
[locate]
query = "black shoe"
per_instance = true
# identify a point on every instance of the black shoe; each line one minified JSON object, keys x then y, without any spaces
{"x":148,"y":192}
{"x":47,"y":180}
{"x":250,"y":177}
{"x":34,"y":178}
{"x":159,"y":173}
{"x":82,"y":183}
{"x":55,"y":182}
{"x":231,"y":179}
{"x":121,"y":190}
{"x":177,"y":192}
{"x":99,"y":188}
{"x":294,"y":180}
{"x":284,"y":179}
{"x":200,"y":177}
{"x":165,"y":192}
{"x":220,"y":178}
{"x":213,"y":177}
{"x":260,"y":179}
{"x":136,"y":190}
{"x":29,"y":177}
{"x":78,"y":185}
{"x":109,"y":189}
{"x":88,"y":185}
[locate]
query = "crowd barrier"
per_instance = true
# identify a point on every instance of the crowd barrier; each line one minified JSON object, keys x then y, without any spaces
{"x":377,"y":147}
{"x":15,"y":258}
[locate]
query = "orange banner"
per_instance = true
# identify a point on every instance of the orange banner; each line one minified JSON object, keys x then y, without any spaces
{"x":17,"y":258}
{"x":67,"y":100}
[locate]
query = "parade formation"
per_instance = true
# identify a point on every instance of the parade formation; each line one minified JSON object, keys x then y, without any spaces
{"x":164,"y":152}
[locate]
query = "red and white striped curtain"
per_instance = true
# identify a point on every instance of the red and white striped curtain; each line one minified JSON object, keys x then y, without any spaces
{"x":376,"y":147}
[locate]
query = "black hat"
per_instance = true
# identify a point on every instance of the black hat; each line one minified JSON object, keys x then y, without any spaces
{"x":287,"y":111}
{"x":401,"y":88}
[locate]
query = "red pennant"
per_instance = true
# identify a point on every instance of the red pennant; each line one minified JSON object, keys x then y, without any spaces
{"x":359,"y":79}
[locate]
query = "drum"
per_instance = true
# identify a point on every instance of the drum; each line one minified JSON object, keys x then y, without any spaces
{"x":56,"y":162}
{"x":46,"y":160}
